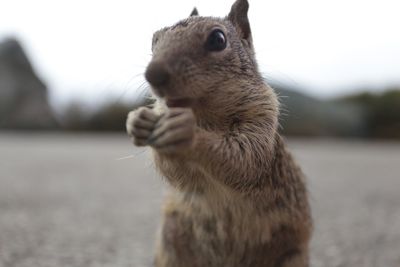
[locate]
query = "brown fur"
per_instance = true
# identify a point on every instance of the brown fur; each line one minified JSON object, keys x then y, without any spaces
{"x":237,"y":197}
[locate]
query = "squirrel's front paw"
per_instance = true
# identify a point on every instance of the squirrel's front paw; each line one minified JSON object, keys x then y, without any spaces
{"x":140,"y":124}
{"x":174,"y":132}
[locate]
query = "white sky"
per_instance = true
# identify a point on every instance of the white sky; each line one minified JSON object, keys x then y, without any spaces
{"x":94,"y":49}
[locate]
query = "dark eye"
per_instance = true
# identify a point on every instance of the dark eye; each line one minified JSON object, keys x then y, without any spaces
{"x":216,"y":41}
{"x":154,"y":41}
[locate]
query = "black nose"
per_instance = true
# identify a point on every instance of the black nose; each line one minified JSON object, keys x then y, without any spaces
{"x":157,"y":74}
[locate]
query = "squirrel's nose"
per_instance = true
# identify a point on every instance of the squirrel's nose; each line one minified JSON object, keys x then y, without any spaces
{"x":157,"y":74}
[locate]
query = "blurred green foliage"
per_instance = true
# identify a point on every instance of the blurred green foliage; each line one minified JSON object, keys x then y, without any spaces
{"x":382,"y":112}
{"x":304,"y":115}
{"x":109,"y":117}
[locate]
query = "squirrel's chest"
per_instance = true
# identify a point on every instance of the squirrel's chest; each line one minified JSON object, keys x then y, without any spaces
{"x":215,"y":218}
{"x":195,"y":231}
{"x":181,"y":173}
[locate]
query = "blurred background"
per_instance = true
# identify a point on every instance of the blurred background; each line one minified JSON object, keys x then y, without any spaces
{"x":75,"y":192}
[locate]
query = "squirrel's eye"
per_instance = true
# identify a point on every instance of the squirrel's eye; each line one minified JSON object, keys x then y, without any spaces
{"x":216,"y":41}
{"x":154,"y":41}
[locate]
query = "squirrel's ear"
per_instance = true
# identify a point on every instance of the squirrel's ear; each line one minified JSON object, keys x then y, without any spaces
{"x":194,"y":12}
{"x":238,"y":17}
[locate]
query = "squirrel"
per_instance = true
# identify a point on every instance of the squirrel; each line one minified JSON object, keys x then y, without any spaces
{"x":237,"y":198}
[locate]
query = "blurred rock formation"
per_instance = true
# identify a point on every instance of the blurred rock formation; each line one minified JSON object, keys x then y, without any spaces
{"x":23,"y":96}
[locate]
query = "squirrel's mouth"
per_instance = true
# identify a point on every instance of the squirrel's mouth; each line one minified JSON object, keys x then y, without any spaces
{"x":178,"y":102}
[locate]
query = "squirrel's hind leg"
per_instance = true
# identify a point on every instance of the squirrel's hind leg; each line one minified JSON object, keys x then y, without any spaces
{"x":294,"y":259}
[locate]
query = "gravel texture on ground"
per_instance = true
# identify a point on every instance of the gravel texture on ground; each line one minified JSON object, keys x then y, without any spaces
{"x":75,"y":200}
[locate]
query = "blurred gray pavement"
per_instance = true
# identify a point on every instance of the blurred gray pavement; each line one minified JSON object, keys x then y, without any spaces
{"x":71,"y":200}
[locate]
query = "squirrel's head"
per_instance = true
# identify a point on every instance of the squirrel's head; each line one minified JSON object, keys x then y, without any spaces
{"x":198,"y":55}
